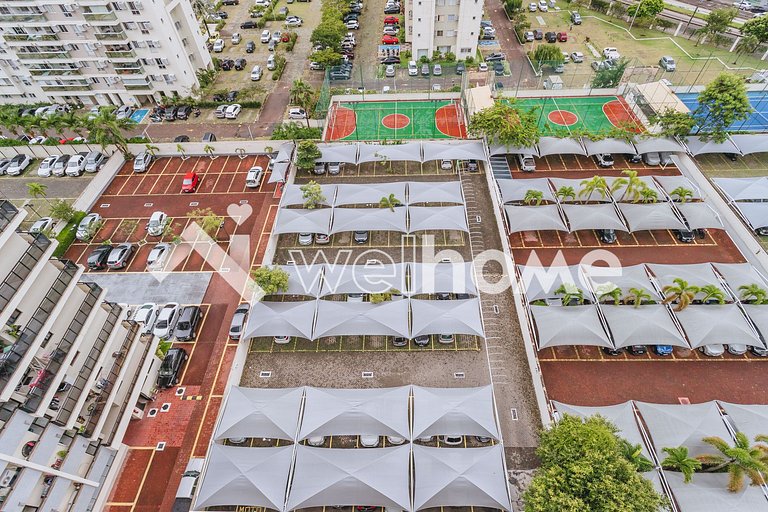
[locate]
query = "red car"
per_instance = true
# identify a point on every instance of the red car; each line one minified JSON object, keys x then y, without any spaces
{"x":190,"y":183}
{"x":286,"y":37}
{"x":562,"y":37}
{"x":391,"y":20}
{"x":389,"y":40}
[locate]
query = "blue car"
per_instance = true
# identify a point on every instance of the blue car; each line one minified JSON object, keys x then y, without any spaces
{"x":663,"y":350}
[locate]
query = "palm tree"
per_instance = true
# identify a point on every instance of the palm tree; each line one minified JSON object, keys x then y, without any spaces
{"x":634,"y":185}
{"x":533,"y":197}
{"x":570,"y":293}
{"x":636,"y":297}
{"x":210,"y":150}
{"x":152,"y":150}
{"x":647,"y":195}
{"x":680,"y":292}
{"x":389,"y":202}
{"x":39,"y":124}
{"x":57,"y":123}
{"x":564,"y":193}
{"x":753,"y":293}
{"x":181,"y":150}
{"x":38,"y":190}
{"x":11,"y":120}
{"x":592,"y":185}
{"x":677,"y":459}
{"x":302,"y":94}
{"x":683,"y":194}
{"x":105,"y":129}
{"x":73,"y":121}
{"x":634,"y":455}
{"x":711,"y":291}
{"x":614,"y":294}
{"x":741,"y":459}
{"x":618,"y":184}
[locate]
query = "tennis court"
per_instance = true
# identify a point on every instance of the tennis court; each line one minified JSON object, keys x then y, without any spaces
{"x":396,"y":120}
{"x":757,"y":120}
{"x":593,"y":114}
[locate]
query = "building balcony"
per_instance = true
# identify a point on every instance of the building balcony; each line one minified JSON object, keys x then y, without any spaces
{"x":7,"y":213}
{"x":82,"y":86}
{"x":31,"y":37}
{"x":100,"y":16}
{"x":27,"y":18}
{"x":43,"y":55}
{"x":111,"y":36}
{"x":125,"y":54}
{"x":15,"y":279}
{"x":54,"y":72}
{"x":137,"y":86}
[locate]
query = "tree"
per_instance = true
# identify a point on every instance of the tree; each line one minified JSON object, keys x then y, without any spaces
{"x":673,"y":123}
{"x":312,"y":194}
{"x":753,"y":293}
{"x":271,"y":279}
{"x":389,"y":202}
{"x":533,"y":197}
{"x":62,"y":210}
{"x":326,"y":57}
{"x":634,"y":455}
{"x":152,"y":150}
{"x":583,"y":467}
{"x":37,"y":190}
{"x":757,"y":27}
{"x":677,"y":459}
{"x":210,"y":150}
{"x":11,"y":120}
{"x":607,"y":291}
{"x":72,"y":121}
{"x":548,"y":55}
{"x":723,"y":102}
{"x":717,"y":22}
{"x":377,"y":298}
{"x":647,"y":195}
{"x":303,"y":95}
{"x":610,"y":76}
{"x":747,"y":44}
{"x":741,"y":459}
{"x":507,"y":125}
{"x":162,"y":348}
{"x":329,"y":33}
{"x":646,"y":9}
{"x":592,"y":185}
{"x":711,"y":291}
{"x":679,"y":292}
{"x":306,"y":154}
{"x":105,"y":129}
{"x":571,"y":293}
{"x":565,"y":192}
{"x":208,"y":221}
{"x":511,"y":6}
{"x":636,"y":297}
{"x":633,"y":185}
{"x":181,"y":151}
{"x":682,"y":194}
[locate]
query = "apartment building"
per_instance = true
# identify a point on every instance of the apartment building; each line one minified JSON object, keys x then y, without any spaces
{"x":71,"y":371}
{"x":98,"y":52}
{"x":443,"y":26}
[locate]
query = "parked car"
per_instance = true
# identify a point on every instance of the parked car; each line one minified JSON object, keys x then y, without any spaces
{"x":369,"y":441}
{"x":123,"y":112}
{"x":611,"y":53}
{"x":256,"y":73}
{"x":576,"y":18}
{"x":250,"y":46}
{"x":297,"y":113}
{"x":236,"y":37}
{"x":94,"y":161}
{"x":334,"y":168}
{"x":186,"y":327}
{"x":233,"y":111}
{"x":667,"y":63}
{"x":238,"y":321}
{"x":209,"y":137}
{"x":306,"y":238}
{"x":266,"y":36}
{"x":562,"y":37}
{"x":218,"y":46}
{"x":604,"y":159}
{"x":495,"y":56}
{"x":146,"y":315}
{"x":528,"y":36}
{"x":360,"y":237}
{"x":437,"y":70}
{"x":75,"y":166}
{"x":714,"y":350}
{"x":247,"y":24}
{"x":607,"y":236}
{"x":190,"y":182}
{"x":142,"y":161}
{"x":271,"y":64}
{"x":684,"y":236}
{"x":452,"y":440}
{"x":158,"y":256}
{"x":166,"y":320}
{"x":240,"y":64}
{"x":293,"y":21}
{"x":637,"y":350}
{"x":157,"y":222}
{"x":389,"y":72}
{"x":577,"y":57}
{"x":389,"y":40}
{"x":119,"y":256}
{"x":533,"y":7}
{"x":87,"y":227}
{"x":168,"y":374}
{"x":662,"y":350}
{"x":253,"y":178}
{"x":18,"y":164}
{"x":170,"y":112}
{"x":59,"y":167}
{"x":97,"y":260}
{"x":551,"y":37}
{"x":42,"y":225}
{"x":652,"y":158}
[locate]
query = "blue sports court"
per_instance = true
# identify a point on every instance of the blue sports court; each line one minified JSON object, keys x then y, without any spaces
{"x":756,"y":122}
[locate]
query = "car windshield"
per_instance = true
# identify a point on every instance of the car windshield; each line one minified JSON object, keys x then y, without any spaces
{"x":162,"y":324}
{"x":183,"y":325}
{"x":236,"y":326}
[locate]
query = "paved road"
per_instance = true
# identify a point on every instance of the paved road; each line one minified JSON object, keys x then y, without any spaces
{"x":515,"y":52}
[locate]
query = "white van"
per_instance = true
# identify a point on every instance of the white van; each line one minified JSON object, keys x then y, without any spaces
{"x":526,"y":162}
{"x":412,"y":69}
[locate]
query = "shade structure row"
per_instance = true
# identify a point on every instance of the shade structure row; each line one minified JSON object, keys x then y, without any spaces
{"x":749,"y":196}
{"x":407,"y":192}
{"x":358,"y":153}
{"x":586,"y":147}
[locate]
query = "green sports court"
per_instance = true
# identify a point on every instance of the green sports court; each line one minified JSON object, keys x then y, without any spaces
{"x":395,"y":120}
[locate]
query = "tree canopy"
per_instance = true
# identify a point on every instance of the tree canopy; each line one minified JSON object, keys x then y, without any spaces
{"x":646,"y":8}
{"x":312,"y":194}
{"x":610,"y":76}
{"x":717,"y":22}
{"x":271,"y":279}
{"x":757,"y":27}
{"x":306,"y":154}
{"x":505,"y":124}
{"x":723,"y":102}
{"x":548,"y":54}
{"x":326,"y":57}
{"x":674,"y":123}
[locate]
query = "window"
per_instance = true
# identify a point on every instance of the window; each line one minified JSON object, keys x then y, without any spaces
{"x":439,"y":33}
{"x":94,"y":80}
{"x":14,"y":316}
{"x":451,"y":17}
{"x":130,"y":25}
{"x":466,"y":50}
{"x":145,"y":27}
{"x":46,"y":339}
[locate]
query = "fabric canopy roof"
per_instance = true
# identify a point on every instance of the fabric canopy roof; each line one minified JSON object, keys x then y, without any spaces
{"x":657,"y":144}
{"x":560,"y":146}
{"x":376,"y":412}
{"x":632,"y":276}
{"x":454,"y":411}
{"x":409,"y":152}
{"x":339,"y":476}
{"x":435,"y":192}
{"x":592,"y":216}
{"x":576,"y":185}
{"x":670,"y":183}
{"x":280,"y":319}
{"x":448,"y":477}
{"x":454,"y":150}
{"x":642,"y":217}
{"x":709,"y":491}
{"x":446,"y":317}
{"x":335,"y":318}
{"x":607,"y":145}
{"x":568,"y":325}
{"x":514,"y":190}
{"x":749,"y":143}
{"x":369,"y":219}
{"x":346,"y":153}
{"x":534,"y":218}
{"x":620,"y":193}
{"x":696,"y":146}
{"x":245,"y":476}
{"x":730,"y":326}
{"x":368,"y":193}
{"x":740,"y":274}
{"x":423,"y":218}
{"x":697,"y":274}
{"x":303,"y":221}
{"x":500,"y":149}
{"x":258,"y":412}
{"x":279,"y":170}
{"x":442,"y":278}
{"x":293,"y":196}
{"x":643,"y":325}
{"x":750,"y":419}
{"x":757,"y":313}
{"x":756,"y":214}
{"x":368,"y":278}
{"x":700,"y":216}
{"x":302,"y":280}
{"x":284,"y":152}
{"x":541,"y":282}
{"x":744,"y":189}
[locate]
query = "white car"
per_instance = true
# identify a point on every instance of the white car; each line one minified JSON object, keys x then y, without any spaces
{"x":452,"y":440}
{"x":265,"y":36}
{"x":75,"y":166}
{"x":46,"y":166}
{"x":42,"y":225}
{"x":533,"y":7}
{"x":157,"y":223}
{"x":293,"y":21}
{"x":218,"y":46}
{"x":369,"y":441}
{"x":256,"y":73}
{"x":232,"y":111}
{"x":60,"y":166}
{"x":667,"y":63}
{"x":352,"y":24}
{"x":93,"y":112}
{"x":577,"y":57}
{"x":18,"y":164}
{"x":446,"y":165}
{"x":389,"y":72}
{"x":158,"y":256}
{"x":36,"y":140}
{"x":166,"y":320}
{"x":142,"y":161}
{"x":146,"y":315}
{"x":276,"y":36}
{"x":271,"y":64}
{"x":412,"y":69}
{"x":253,"y":178}
{"x":236,"y":38}
{"x":87,"y":226}
{"x":482,"y":66}
{"x":282,"y":340}
{"x":395,"y":440}
{"x":297,"y":113}
{"x":316,"y":441}
{"x":543,"y":6}
{"x":611,"y":53}
{"x":123,"y":112}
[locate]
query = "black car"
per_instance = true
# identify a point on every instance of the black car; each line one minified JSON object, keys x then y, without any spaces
{"x":551,"y":37}
{"x":399,"y":341}
{"x":390,"y":60}
{"x":250,"y":46}
{"x":168,"y":375}
{"x":231,"y":95}
{"x":240,"y":64}
{"x":97,"y":260}
{"x":248,"y":24}
{"x":360,"y":237}
{"x":183,"y":112}
{"x":351,"y":17}
{"x":230,"y":2}
{"x":613,"y":351}
{"x":226,"y":64}
{"x":421,"y":341}
{"x":637,"y":350}
{"x":209,"y":137}
{"x":634,"y":159}
{"x":607,"y":236}
{"x":181,"y":138}
{"x":170,"y":113}
{"x":392,"y":10}
{"x":538,"y":34}
{"x":460,"y":68}
{"x":685,"y":236}
{"x":496,"y":56}
{"x":186,"y":327}
{"x":222,"y":14}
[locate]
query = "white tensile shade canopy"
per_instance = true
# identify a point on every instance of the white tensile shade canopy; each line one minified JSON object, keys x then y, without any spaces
{"x":429,"y":218}
{"x":339,"y":476}
{"x":621,"y":193}
{"x":500,"y":149}
{"x":258,"y":412}
{"x":448,"y":477}
{"x":410,"y":152}
{"x":560,"y":146}
{"x":670,"y":183}
{"x":697,"y":146}
{"x":626,"y":278}
{"x":592,"y":216}
{"x":657,"y":144}
{"x":346,"y":153}
{"x":515,"y":190}
{"x":378,"y":412}
{"x":700,"y":216}
{"x":302,"y":279}
{"x":709,"y":491}
{"x":576,"y":185}
{"x":756,"y":214}
{"x":446,"y":317}
{"x":369,"y":219}
{"x":749,"y":143}
{"x":759,"y":316}
{"x":284,"y":318}
{"x":644,"y":325}
{"x":442,"y":278}
{"x":714,"y":324}
{"x":303,"y":221}
{"x":608,"y":145}
{"x":435,"y":192}
{"x":369,"y":193}
{"x":696,"y":274}
{"x":568,"y":325}
{"x":744,"y":189}
{"x":454,"y":411}
{"x":454,"y":150}
{"x":534,"y":218}
{"x":541,"y":283}
{"x":335,"y":318}
{"x":644,"y":217}
{"x":284,"y":152}
{"x":279,"y":170}
{"x":740,"y":274}
{"x":749,"y":419}
{"x":293,"y":196}
{"x":368,"y":278}
{"x":245,"y":476}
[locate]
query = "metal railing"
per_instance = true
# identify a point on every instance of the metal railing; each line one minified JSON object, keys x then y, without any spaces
{"x":23,"y":267}
{"x":100,"y":16}
{"x":7,"y":212}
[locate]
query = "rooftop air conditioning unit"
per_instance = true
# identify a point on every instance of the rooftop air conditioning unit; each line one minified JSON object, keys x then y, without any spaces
{"x":7,"y":477}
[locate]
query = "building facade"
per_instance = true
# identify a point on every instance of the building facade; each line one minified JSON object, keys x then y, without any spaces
{"x":98,"y":52}
{"x":443,"y":26}
{"x":71,"y":371}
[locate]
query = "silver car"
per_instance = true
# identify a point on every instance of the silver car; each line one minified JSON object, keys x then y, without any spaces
{"x":238,"y":321}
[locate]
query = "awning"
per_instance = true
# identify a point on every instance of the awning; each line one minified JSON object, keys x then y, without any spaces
{"x":279,"y":171}
{"x":607,"y":145}
{"x":454,"y":150}
{"x":258,"y":412}
{"x":592,"y":216}
{"x":446,"y":317}
{"x":560,"y":146}
{"x":750,"y":419}
{"x":643,"y":325}
{"x":285,"y":152}
{"x":757,"y":313}
{"x":740,"y":274}
{"x":744,"y":189}
{"x":657,"y":145}
{"x":302,"y":280}
{"x":541,"y":283}
{"x":293,"y":196}
{"x":632,"y":276}
{"x":409,"y":152}
{"x":709,"y":491}
{"x":670,"y":183}
{"x":644,"y":217}
{"x":454,"y":411}
{"x":568,"y":325}
{"x":281,"y":319}
{"x":368,"y":193}
{"x":346,"y":153}
{"x":372,"y":277}
{"x":369,"y":219}
{"x":700,"y":216}
{"x":696,"y":274}
{"x":290,"y":220}
{"x":717,"y":324}
{"x":336,"y":318}
{"x":450,"y":218}
{"x":435,"y":192}
{"x":534,"y":218}
{"x":756,"y":214}
{"x":749,"y":143}
{"x":515,"y":190}
{"x":442,"y":278}
{"x":500,"y":149}
{"x":696,"y":146}
{"x":660,"y":97}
